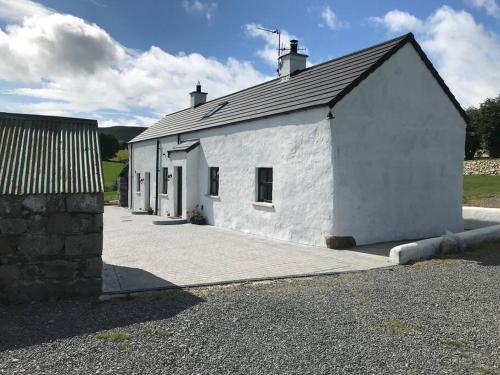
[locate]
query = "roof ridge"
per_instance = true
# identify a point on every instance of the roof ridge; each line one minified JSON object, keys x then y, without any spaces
{"x":401,"y":37}
{"x":346,"y":72}
{"x":404,"y":36}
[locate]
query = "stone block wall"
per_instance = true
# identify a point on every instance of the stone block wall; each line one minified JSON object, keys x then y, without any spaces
{"x":50,"y":246}
{"x":487,"y":167}
{"x":122,"y":182}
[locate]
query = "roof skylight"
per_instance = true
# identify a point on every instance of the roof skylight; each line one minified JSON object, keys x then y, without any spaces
{"x":214,"y":109}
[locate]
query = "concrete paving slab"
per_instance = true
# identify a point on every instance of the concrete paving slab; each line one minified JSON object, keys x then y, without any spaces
{"x":141,"y":256}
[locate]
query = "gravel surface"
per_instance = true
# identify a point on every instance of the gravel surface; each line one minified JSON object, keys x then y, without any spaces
{"x":435,"y":317}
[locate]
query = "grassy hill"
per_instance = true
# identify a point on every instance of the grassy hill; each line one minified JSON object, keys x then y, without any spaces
{"x":122,"y":133}
{"x":111,"y":170}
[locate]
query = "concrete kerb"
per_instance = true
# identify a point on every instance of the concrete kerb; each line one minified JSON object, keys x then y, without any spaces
{"x":480,"y":217}
{"x":428,"y":248}
{"x":127,"y":294}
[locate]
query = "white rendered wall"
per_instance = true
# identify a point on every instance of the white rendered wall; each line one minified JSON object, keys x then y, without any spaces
{"x":398,"y":146}
{"x":166,"y":202}
{"x":298,"y":148}
{"x":143,"y":160}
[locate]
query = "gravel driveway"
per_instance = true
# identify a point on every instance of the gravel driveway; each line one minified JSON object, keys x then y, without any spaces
{"x":435,"y":317}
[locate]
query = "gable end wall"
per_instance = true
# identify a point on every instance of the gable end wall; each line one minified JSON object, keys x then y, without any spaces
{"x":398,"y":148}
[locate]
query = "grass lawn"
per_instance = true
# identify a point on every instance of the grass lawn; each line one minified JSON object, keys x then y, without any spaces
{"x":477,"y":188}
{"x":111,"y":170}
{"x":121,"y":156}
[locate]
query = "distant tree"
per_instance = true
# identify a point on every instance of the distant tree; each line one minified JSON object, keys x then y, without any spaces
{"x":485,"y":120}
{"x":473,"y":136}
{"x":109,"y":145}
{"x":489,"y":125}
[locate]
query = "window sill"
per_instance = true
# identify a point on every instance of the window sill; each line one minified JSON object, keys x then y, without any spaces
{"x":137,"y":193}
{"x":217,"y":197}
{"x":163,"y":195}
{"x":263,"y":204}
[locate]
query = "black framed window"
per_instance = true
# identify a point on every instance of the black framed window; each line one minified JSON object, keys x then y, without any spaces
{"x":265,"y":185}
{"x":214,"y":181}
{"x":165,"y":181}
{"x":138,"y":182}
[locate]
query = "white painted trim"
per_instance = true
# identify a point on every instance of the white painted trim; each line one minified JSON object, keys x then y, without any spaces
{"x":263,"y":204}
{"x":216,"y":197}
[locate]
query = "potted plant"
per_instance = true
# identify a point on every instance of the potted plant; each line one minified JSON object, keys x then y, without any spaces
{"x":195,"y":216}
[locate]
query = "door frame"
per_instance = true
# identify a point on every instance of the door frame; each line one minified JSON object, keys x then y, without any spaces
{"x":178,"y":192}
{"x":147,"y":192}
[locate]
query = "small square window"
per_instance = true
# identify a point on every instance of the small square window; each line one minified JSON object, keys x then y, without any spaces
{"x":265,"y":185}
{"x":214,"y":181}
{"x":138,"y":182}
{"x":165,"y":181}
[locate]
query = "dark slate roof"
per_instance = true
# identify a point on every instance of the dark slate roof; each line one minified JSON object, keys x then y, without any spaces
{"x":48,"y":155}
{"x":184,"y":146}
{"x":319,"y":85}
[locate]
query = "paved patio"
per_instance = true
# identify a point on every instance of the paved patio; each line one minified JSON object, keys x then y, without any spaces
{"x":140,"y":256}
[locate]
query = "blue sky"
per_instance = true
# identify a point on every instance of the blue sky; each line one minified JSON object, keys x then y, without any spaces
{"x":129,"y":62}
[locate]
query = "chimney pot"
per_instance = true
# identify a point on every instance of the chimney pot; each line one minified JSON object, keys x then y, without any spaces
{"x":294,"y":46}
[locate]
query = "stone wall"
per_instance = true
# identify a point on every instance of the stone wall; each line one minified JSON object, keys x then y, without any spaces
{"x":122,"y":183}
{"x":50,"y":246}
{"x":489,"y":167}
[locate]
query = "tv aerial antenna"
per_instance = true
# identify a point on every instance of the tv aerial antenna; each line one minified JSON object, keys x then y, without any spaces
{"x":280,"y":48}
{"x":277,"y":32}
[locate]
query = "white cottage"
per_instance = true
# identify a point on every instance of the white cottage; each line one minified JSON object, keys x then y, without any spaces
{"x":364,"y":148}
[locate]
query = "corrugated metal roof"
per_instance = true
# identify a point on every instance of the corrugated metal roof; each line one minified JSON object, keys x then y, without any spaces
{"x":322,"y":84}
{"x":314,"y":86}
{"x":48,"y":155}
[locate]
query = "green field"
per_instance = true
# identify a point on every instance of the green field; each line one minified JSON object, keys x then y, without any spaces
{"x":480,"y":187}
{"x":111,"y":170}
{"x":121,"y":156}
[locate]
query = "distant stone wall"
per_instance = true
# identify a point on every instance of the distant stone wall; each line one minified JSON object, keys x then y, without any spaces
{"x":489,"y":167}
{"x":50,"y":246}
{"x":122,"y":182}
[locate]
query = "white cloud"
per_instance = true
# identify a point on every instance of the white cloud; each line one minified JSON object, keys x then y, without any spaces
{"x":397,"y":21}
{"x":55,"y":45}
{"x":466,"y":55}
{"x":269,"y":52}
{"x":197,"y":6}
{"x":490,"y":6}
{"x":72,"y":67}
{"x":331,"y":19}
{"x":17,"y":10}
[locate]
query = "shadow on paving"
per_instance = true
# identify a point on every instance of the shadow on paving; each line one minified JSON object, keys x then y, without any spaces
{"x":36,"y":323}
{"x":121,"y":279}
{"x":380,"y":248}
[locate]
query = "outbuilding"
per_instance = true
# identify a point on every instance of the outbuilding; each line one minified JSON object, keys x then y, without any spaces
{"x":364,"y":148}
{"x":51,"y":205}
